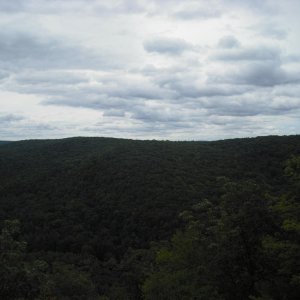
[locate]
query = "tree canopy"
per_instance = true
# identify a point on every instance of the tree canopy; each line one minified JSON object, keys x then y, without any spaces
{"x":98,"y":218}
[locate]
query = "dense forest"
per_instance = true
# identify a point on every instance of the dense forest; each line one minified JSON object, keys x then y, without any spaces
{"x":116,"y":219}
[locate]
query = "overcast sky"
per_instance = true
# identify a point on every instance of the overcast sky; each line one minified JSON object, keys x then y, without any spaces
{"x":149,"y":69}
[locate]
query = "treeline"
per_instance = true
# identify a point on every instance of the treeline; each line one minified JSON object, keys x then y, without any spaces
{"x":118,"y":219}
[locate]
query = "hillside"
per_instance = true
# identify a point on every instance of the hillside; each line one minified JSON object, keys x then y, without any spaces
{"x":4,"y":142}
{"x":125,"y":186}
{"x":102,"y":197}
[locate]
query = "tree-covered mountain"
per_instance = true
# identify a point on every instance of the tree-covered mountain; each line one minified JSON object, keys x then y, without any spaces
{"x":94,"y":211}
{"x":4,"y":142}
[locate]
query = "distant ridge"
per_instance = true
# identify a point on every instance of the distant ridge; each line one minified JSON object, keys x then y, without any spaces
{"x":4,"y":142}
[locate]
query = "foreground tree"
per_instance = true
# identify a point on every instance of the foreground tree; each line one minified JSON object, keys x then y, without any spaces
{"x":218,"y":255}
{"x":24,"y":278}
{"x":18,"y":278}
{"x":282,"y":247}
{"x":243,"y":246}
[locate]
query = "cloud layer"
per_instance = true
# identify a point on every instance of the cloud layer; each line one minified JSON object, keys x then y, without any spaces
{"x":149,"y":69}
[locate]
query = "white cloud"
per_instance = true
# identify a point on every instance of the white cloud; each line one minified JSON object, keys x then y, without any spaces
{"x":148,"y":69}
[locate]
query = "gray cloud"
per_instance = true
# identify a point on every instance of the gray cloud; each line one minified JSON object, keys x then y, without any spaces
{"x":51,"y":77}
{"x":4,"y":74}
{"x":262,"y":74}
{"x":291,"y":58}
{"x":272,"y":30}
{"x":290,"y":90}
{"x":228,"y":41}
{"x":92,"y":101}
{"x":249,"y":54}
{"x":238,"y":108}
{"x":94,"y":90}
{"x":47,"y":83}
{"x":255,"y":6}
{"x":248,"y":105}
{"x":189,"y":9}
{"x":9,"y":118}
{"x":29,"y":129}
{"x":157,"y":115}
{"x":74,"y":6}
{"x":192,"y":90}
{"x":19,"y":49}
{"x":12,"y":6}
{"x":191,"y":13}
{"x":140,"y":89}
{"x":167,"y":46}
{"x":114,"y":113}
{"x":261,"y":66}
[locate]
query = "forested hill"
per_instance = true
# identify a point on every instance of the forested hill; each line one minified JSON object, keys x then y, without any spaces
{"x":103,"y":197}
{"x":129,"y":192}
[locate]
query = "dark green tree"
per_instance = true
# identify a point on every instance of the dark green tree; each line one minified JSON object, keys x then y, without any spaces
{"x":219,"y":254}
{"x":282,"y":247}
{"x":19,"y":279}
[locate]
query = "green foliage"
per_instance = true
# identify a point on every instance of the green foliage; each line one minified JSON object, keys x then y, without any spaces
{"x":91,"y":208}
{"x":66,"y":282}
{"x":293,"y":168}
{"x":244,"y":247}
{"x":217,"y":256}
{"x":18,"y":278}
{"x":283,"y":246}
{"x":22,"y":278}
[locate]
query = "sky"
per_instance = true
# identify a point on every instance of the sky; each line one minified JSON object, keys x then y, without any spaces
{"x":149,"y":69}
